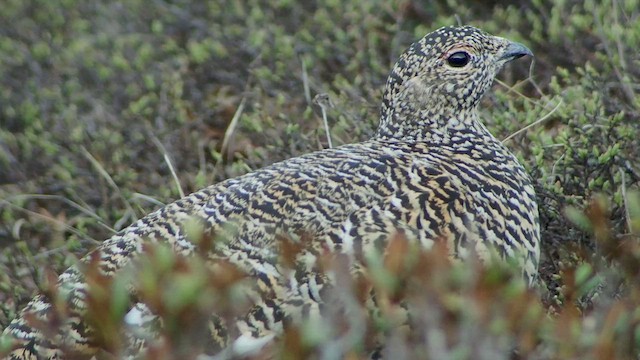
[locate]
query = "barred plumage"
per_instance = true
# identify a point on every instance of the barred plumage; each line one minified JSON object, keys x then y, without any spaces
{"x":432,"y":171}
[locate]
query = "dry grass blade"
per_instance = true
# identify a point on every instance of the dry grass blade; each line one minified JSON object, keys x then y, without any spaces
{"x":165,"y":154}
{"x":539,"y":121}
{"x":512,"y":88}
{"x":71,"y":229}
{"x":130,"y":212}
{"x":228,"y":134}
{"x":625,"y":200}
{"x":67,"y":201}
{"x":324,"y":101}
{"x":530,"y":78}
{"x":305,"y":82}
{"x":148,"y":198}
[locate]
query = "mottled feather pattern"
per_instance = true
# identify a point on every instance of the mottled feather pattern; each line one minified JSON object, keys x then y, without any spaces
{"x":432,"y":172}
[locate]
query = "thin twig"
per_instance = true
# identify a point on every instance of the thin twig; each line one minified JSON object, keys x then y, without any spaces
{"x":542,"y":119}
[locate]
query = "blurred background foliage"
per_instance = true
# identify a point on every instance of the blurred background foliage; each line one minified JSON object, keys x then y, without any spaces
{"x":109,"y":109}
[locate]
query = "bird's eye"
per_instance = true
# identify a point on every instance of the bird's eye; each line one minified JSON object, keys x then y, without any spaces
{"x":459,"y":59}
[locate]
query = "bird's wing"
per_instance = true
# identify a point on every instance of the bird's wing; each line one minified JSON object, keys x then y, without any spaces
{"x":307,"y":193}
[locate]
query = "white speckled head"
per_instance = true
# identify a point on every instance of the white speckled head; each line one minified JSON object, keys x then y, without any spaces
{"x":446,"y":71}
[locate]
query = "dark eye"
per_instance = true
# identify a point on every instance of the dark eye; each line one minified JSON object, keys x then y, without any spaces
{"x":459,"y":59}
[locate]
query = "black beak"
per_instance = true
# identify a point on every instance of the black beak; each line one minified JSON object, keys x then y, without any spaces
{"x":514,"y":51}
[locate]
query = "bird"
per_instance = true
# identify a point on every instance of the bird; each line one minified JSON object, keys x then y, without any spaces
{"x":432,"y":171}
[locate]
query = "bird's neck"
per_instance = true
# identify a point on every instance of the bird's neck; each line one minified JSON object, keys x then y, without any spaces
{"x":424,"y":122}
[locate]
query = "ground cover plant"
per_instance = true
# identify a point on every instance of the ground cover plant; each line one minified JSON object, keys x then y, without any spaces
{"x":110,"y":109}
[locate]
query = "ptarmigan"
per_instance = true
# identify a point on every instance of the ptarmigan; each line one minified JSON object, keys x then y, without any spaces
{"x":432,"y":171}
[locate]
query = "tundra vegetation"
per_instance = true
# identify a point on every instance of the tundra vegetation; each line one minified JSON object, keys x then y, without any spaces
{"x":108,"y":110}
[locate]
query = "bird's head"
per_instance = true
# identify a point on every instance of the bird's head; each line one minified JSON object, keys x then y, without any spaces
{"x":443,"y":74}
